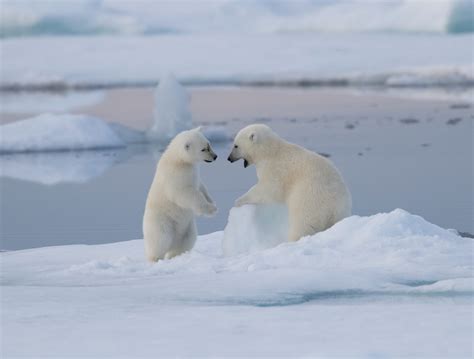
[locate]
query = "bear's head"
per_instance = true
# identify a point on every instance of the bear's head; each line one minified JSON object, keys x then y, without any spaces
{"x":252,"y":143}
{"x":191,"y":147}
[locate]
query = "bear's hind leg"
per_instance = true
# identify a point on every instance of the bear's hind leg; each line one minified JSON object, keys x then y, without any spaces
{"x":158,"y":238}
{"x":186,"y":242}
{"x":301,"y":225}
{"x":189,"y":237}
{"x":158,"y":249}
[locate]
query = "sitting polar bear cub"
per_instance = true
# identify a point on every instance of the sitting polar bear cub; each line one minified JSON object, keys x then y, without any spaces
{"x":175,"y":196}
{"x":309,"y":184}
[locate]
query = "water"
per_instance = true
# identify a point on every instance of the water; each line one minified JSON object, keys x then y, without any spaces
{"x":418,"y":160}
{"x":102,"y":206}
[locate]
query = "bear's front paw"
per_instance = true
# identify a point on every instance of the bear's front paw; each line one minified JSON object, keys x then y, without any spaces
{"x":239,"y":202}
{"x":209,"y":209}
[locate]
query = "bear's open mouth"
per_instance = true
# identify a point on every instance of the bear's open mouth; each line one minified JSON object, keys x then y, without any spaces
{"x":246,"y":163}
{"x":208,"y":161}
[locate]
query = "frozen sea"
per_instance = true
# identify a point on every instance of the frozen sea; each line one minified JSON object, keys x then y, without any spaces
{"x":390,"y":284}
{"x":385,"y":90}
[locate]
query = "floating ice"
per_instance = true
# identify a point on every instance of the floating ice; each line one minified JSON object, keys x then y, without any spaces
{"x":171,"y":114}
{"x":384,"y":253}
{"x":363,"y":269}
{"x":54,"y":132}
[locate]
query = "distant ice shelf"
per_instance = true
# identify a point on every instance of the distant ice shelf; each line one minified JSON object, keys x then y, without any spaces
{"x":282,"y":58}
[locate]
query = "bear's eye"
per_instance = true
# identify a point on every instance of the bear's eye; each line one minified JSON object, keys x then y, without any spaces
{"x":236,"y":146}
{"x":203,"y":150}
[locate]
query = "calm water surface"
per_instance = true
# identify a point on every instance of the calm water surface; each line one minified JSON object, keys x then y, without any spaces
{"x":422,"y":163}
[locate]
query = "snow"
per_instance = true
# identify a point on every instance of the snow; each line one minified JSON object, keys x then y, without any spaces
{"x":57,"y":132}
{"x":253,"y":228}
{"x":391,"y":284}
{"x":171,"y":114}
{"x":65,"y":132}
{"x":29,"y":17}
{"x":320,"y":58}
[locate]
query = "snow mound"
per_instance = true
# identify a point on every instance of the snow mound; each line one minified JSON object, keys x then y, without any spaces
{"x":409,"y":280}
{"x":171,"y":113}
{"x":385,"y":254}
{"x":54,"y":132}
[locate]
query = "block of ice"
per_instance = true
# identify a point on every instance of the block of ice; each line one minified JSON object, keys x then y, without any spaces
{"x":171,"y":113}
{"x":252,"y":228}
{"x":58,"y":132}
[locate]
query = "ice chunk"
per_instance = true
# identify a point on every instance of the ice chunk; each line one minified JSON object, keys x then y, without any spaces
{"x":252,"y":228}
{"x":58,"y":132}
{"x":171,"y":113}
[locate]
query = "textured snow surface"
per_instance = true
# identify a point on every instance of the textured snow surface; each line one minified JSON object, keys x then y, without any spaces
{"x":388,"y":284}
{"x":387,"y":252}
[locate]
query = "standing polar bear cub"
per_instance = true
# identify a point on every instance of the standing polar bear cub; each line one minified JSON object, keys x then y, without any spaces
{"x":309,"y":184}
{"x":176,"y":196}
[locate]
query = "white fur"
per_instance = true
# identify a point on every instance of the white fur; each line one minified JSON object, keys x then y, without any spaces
{"x":176,"y":196}
{"x":306,"y":182}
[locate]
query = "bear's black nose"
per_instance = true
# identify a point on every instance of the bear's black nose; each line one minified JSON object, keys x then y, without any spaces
{"x":215,"y":156}
{"x":228,"y":159}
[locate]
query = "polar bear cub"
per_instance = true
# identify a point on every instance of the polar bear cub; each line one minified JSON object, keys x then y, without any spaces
{"x":309,"y":184}
{"x":176,"y":196}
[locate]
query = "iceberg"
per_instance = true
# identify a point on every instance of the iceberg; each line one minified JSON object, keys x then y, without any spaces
{"x":171,"y":114}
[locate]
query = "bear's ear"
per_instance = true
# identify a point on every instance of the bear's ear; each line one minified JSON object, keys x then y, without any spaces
{"x":187,"y":146}
{"x":253,"y":137}
{"x":199,"y":128}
